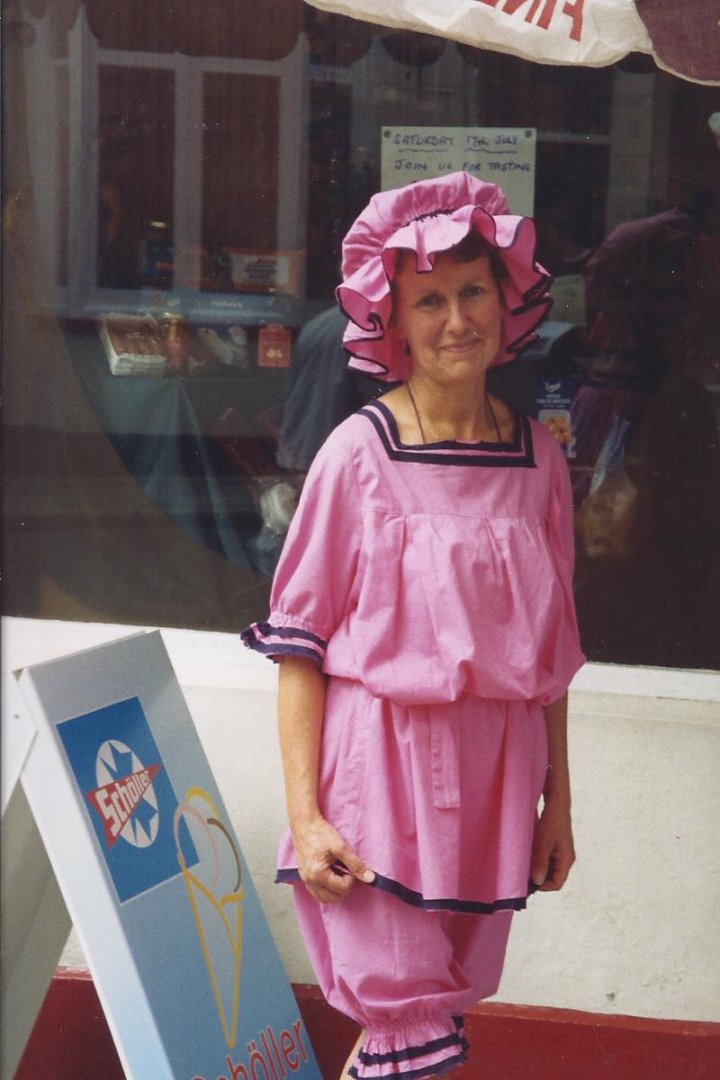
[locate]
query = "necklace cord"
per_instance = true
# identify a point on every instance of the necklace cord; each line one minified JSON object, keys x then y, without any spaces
{"x":494,"y":418}
{"x":421,"y":429}
{"x":417,"y":414}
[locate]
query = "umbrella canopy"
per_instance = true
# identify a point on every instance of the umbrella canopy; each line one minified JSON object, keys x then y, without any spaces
{"x":684,"y":38}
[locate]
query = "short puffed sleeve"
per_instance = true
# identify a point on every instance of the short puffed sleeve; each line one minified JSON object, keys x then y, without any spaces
{"x":314,"y":577}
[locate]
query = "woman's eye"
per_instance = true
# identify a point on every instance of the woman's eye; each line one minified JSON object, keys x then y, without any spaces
{"x":472,"y":292}
{"x":429,"y":302}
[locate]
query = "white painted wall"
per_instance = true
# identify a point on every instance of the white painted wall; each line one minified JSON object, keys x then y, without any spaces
{"x":635,"y":931}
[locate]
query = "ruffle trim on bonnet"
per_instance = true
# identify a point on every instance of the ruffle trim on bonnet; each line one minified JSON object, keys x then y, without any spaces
{"x":429,"y":217}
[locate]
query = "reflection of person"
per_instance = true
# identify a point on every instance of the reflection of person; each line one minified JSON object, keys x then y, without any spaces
{"x":558,"y":248}
{"x":636,"y":294}
{"x":117,"y":241}
{"x":645,"y":472}
{"x":116,"y":258}
{"x":322,"y":391}
{"x":422,"y":615}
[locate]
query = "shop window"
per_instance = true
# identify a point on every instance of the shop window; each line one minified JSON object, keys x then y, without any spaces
{"x":177,"y":180}
{"x":136,"y":135}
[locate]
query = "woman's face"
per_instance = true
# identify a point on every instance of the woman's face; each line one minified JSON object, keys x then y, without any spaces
{"x":450,"y":318}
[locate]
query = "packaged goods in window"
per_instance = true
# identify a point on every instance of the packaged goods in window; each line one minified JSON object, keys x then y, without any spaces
{"x":252,"y":270}
{"x":229,"y":347}
{"x":157,"y":257}
{"x":554,"y":398}
{"x":133,"y":344}
{"x":274,"y":347}
{"x":175,"y":345}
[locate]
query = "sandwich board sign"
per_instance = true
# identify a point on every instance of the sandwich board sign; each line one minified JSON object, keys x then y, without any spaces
{"x":152,"y":872}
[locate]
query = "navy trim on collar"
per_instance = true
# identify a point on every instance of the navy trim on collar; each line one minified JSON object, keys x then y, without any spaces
{"x":518,"y":453}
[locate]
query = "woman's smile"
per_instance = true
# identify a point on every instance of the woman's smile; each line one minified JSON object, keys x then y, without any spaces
{"x":462,"y":346}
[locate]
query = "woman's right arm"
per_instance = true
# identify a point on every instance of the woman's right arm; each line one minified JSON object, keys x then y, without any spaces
{"x":318,"y":846}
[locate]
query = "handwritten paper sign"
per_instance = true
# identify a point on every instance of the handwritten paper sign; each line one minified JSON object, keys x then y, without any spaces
{"x":503,"y":156}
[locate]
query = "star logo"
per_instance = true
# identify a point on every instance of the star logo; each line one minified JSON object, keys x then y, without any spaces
{"x":124,"y":797}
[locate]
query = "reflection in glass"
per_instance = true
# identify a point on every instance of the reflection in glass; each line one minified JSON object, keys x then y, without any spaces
{"x":135,"y":177}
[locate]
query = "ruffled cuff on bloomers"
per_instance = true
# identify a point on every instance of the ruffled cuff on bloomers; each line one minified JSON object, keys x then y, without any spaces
{"x":274,"y":639}
{"x":412,"y":1051}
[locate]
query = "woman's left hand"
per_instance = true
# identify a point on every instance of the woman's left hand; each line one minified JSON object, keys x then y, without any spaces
{"x":553,"y":851}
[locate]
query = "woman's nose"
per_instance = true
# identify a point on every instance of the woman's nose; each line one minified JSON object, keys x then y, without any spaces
{"x":457,"y":317}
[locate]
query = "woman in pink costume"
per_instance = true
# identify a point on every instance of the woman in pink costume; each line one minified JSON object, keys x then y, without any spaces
{"x":423,"y":619}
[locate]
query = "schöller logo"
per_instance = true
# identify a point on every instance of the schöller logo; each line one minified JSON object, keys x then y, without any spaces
{"x":124,"y":797}
{"x":125,"y":784}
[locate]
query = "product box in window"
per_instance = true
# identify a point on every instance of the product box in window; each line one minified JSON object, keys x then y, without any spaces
{"x":133,"y":344}
{"x":274,"y":343}
{"x":252,"y":270}
{"x":554,"y":398}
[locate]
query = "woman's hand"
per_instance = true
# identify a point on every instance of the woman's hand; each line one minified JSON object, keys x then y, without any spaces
{"x":328,"y":867}
{"x":553,"y":851}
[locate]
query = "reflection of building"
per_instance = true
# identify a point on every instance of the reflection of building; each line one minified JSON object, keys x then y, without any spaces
{"x":209,"y":108}
{"x":646,"y":468}
{"x":208,"y":168}
{"x":184,"y":153}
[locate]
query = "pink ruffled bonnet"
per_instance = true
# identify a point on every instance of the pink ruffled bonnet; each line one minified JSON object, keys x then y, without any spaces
{"x":429,"y":217}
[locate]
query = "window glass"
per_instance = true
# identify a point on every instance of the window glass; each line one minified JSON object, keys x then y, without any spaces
{"x":175,"y":194}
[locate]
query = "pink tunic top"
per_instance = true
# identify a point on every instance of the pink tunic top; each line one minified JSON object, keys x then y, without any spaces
{"x":429,"y":572}
{"x":433,"y":583}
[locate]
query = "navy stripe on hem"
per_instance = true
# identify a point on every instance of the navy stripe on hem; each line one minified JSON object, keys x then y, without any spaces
{"x":411,"y":1052}
{"x":288,"y":877}
{"x":438,"y":1069}
{"x":472,"y":907}
{"x":291,"y":876}
{"x":455,"y":1042}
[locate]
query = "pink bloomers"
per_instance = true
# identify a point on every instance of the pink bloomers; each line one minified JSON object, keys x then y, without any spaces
{"x":455,"y":958}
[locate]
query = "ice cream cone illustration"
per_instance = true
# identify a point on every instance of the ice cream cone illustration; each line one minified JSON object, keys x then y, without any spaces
{"x":215,"y":892}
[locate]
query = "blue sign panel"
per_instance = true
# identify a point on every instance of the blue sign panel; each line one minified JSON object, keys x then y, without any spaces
{"x":128,"y":796}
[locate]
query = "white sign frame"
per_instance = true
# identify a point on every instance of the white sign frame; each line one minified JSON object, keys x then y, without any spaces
{"x":174,"y":1024}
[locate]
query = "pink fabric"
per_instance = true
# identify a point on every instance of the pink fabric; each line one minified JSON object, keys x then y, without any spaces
{"x":419,"y":791}
{"x":415,"y":972}
{"x":433,"y":584}
{"x":430,"y":217}
{"x":424,"y":579}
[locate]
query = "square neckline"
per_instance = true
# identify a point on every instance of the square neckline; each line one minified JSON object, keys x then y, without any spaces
{"x":517,"y":451}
